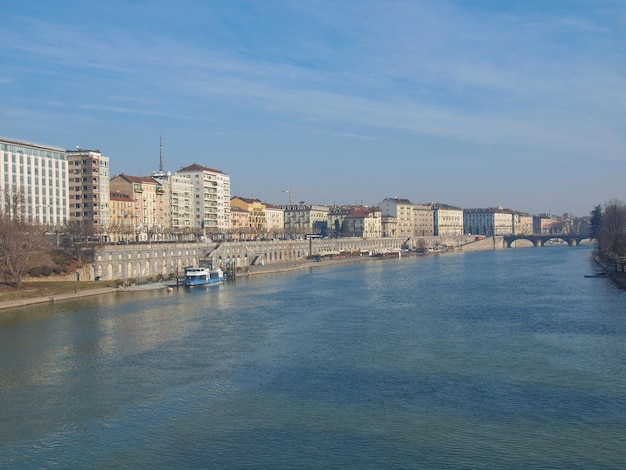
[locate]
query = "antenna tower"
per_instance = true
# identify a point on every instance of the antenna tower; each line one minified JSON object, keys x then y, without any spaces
{"x":161,"y":166}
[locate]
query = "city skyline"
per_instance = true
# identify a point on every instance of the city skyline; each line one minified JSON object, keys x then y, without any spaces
{"x":473,"y":104}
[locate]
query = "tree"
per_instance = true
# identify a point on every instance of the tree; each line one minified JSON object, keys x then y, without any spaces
{"x":596,"y":222}
{"x":76,"y":238}
{"x":22,"y":243}
{"x":612,"y":237}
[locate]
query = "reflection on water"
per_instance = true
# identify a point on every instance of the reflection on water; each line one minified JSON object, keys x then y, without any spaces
{"x":484,"y":360}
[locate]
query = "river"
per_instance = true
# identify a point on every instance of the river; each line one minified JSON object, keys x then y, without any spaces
{"x":499,"y":359}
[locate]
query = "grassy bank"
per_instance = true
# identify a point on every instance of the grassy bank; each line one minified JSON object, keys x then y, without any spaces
{"x":47,"y":288}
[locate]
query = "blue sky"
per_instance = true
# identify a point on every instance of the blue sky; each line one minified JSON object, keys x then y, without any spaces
{"x":472,"y":103}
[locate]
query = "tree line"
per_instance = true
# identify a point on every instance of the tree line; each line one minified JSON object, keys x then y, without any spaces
{"x":608,"y":227}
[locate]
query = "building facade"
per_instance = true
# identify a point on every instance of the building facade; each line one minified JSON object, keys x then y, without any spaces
{"x":40,"y":174}
{"x":240,"y":224}
{"x":448,"y":220}
{"x":364,"y":222}
{"x":492,"y":221}
{"x":122,"y":223}
{"x":178,"y":216}
{"x":404,"y":212}
{"x":89,"y":190}
{"x":211,"y":198}
{"x":522,"y":224}
{"x":275,"y":219}
{"x":302,"y":219}
{"x":424,"y":220}
{"x":149,"y":204}
{"x":256,"y":210}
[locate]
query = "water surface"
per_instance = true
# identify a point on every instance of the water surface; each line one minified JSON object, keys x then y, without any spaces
{"x":497,"y":359}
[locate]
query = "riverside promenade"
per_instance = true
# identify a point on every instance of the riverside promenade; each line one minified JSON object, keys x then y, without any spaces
{"x":252,"y":271}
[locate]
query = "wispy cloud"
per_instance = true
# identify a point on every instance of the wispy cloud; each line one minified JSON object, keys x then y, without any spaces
{"x":546,"y":81}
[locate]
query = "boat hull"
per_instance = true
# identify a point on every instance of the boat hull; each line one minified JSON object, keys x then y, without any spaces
{"x":195,"y":277}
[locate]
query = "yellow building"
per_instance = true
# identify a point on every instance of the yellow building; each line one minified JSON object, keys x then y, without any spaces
{"x":256,"y":210}
{"x":121,"y":217}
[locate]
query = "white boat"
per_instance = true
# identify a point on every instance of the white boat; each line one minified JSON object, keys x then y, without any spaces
{"x":203,"y":276}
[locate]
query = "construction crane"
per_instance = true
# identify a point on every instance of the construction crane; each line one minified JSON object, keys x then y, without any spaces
{"x":290,"y":192}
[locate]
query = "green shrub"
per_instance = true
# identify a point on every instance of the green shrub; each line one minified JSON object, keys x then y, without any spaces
{"x":46,"y":270}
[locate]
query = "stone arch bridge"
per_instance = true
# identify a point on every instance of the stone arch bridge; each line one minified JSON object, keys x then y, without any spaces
{"x":540,"y":239}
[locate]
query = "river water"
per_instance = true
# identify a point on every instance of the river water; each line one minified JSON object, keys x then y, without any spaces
{"x":499,"y":359}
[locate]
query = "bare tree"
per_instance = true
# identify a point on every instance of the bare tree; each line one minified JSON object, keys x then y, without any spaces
{"x":613,"y":229}
{"x":76,"y":238}
{"x":22,"y":243}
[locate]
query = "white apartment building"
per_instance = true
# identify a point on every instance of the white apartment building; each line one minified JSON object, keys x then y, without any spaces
{"x":89,"y":190}
{"x":488,"y":221}
{"x":211,"y":198}
{"x":179,"y":202}
{"x":40,"y":173}
{"x":448,"y":220}
{"x":404,"y":212}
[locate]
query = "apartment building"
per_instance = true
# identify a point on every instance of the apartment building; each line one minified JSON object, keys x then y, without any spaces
{"x":389,"y":226}
{"x":301,"y":219}
{"x":178,"y":197}
{"x":122,"y":223}
{"x":424,"y":218}
{"x":365,"y":222}
{"x":404,"y":212}
{"x":240,"y":224}
{"x":89,"y":190}
{"x":40,"y":174}
{"x":448,"y":220}
{"x":275,"y":219}
{"x":150,"y":204}
{"x":211,"y":198}
{"x":490,"y":221}
{"x":256,"y":209}
{"x":522,"y":224}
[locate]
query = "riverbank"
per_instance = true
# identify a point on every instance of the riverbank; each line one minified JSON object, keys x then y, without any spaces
{"x":33,"y":296}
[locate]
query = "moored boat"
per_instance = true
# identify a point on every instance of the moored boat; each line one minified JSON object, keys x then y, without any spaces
{"x":203,"y":276}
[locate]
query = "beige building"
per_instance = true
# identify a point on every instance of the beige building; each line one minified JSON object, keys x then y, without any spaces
{"x":522,"y":224}
{"x":89,"y":190}
{"x":448,"y":220}
{"x":40,"y":173}
{"x":302,"y":219}
{"x":404,"y":212}
{"x":364,"y":222}
{"x":275,"y":219}
{"x":211,"y":198}
{"x":240,"y":224}
{"x":389,"y":225}
{"x":150,"y":204}
{"x":424,"y":220}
